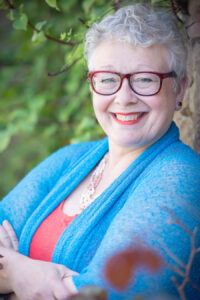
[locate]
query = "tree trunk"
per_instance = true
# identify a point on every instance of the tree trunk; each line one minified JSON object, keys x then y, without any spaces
{"x":188,"y":119}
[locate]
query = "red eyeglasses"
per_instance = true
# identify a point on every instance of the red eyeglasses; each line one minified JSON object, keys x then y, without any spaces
{"x":142,"y":83}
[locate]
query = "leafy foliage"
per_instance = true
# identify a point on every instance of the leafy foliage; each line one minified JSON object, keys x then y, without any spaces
{"x":41,"y":113}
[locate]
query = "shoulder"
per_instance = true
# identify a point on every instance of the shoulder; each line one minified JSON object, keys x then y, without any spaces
{"x":69,"y":154}
{"x":75,"y":149}
{"x":179,"y":151}
{"x":176,"y":159}
{"x":177,"y":166}
{"x":172,"y":179}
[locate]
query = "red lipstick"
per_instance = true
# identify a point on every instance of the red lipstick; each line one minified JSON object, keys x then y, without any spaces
{"x":128,"y":122}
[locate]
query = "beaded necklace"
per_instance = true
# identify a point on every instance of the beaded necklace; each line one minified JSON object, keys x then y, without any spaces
{"x":87,"y":196}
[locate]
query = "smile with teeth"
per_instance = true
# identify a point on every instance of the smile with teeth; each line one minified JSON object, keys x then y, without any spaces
{"x":129,"y":117}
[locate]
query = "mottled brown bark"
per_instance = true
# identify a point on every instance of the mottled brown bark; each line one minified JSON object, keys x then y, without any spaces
{"x":188,"y":119}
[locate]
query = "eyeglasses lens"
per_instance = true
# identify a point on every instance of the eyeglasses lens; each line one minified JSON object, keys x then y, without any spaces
{"x":141,"y":83}
{"x":145,"y":83}
{"x":106,"y":83}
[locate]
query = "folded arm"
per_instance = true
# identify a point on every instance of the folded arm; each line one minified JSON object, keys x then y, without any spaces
{"x":28,"y":278}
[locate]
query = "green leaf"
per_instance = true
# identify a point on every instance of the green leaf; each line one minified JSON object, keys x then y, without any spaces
{"x":87,"y":5}
{"x":4,"y":140}
{"x":69,"y":33}
{"x":38,"y":37}
{"x":13,"y":15}
{"x":2,"y":4}
{"x":52,"y":3}
{"x":50,"y":130}
{"x":17,"y":114}
{"x":63,"y":36}
{"x":38,"y":114}
{"x":21,"y":7}
{"x":21,"y":23}
{"x":39,"y":25}
{"x":10,"y":15}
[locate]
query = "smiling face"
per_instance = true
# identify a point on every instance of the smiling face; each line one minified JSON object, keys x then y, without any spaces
{"x":130,"y":120}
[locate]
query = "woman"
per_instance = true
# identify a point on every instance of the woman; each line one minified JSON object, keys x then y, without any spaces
{"x":115,"y":190}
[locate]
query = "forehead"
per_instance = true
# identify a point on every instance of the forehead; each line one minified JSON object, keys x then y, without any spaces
{"x":123,"y":57}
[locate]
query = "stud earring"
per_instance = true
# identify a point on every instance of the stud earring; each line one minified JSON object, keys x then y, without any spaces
{"x":180,"y":104}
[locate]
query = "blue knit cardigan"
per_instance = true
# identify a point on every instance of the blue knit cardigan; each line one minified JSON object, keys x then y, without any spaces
{"x":133,"y":207}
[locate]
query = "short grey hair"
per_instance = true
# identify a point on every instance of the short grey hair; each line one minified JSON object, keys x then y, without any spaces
{"x":143,"y":25}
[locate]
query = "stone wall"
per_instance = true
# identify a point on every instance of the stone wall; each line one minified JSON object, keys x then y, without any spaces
{"x":188,"y":118}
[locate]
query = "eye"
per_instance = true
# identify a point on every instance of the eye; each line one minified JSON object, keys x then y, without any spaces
{"x":145,"y":79}
{"x":108,"y":80}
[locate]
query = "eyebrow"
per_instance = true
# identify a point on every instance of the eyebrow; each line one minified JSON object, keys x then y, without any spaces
{"x":143,"y":65}
{"x":107,"y":66}
{"x":103,"y":68}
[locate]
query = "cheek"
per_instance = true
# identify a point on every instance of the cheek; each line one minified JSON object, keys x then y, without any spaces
{"x":100,"y":103}
{"x":97,"y":105}
{"x":162,"y":104}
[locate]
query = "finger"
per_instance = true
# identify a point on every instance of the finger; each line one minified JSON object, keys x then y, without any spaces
{"x":4,"y":238}
{"x":68,"y":282}
{"x":69,"y":273}
{"x":61,"y":292}
{"x":66,"y":272}
{"x":10,"y":231}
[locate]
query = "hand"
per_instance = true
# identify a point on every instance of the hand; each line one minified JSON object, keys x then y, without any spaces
{"x":67,"y":281}
{"x":38,"y":280}
{"x":8,"y":238}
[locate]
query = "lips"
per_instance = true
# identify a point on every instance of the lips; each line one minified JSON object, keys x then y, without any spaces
{"x":128,"y":118}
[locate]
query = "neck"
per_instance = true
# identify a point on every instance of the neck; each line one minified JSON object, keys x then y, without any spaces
{"x":120,"y":158}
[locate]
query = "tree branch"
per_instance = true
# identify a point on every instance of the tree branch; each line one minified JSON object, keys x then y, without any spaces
{"x":11,"y":7}
{"x":181,"y":292}
{"x":177,"y":221}
{"x":115,"y":4}
{"x":173,"y":256}
{"x":64,"y":69}
{"x":83,"y":22}
{"x":175,"y":269}
{"x":186,"y":278}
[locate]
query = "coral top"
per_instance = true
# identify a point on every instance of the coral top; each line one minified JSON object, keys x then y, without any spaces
{"x":48,"y":233}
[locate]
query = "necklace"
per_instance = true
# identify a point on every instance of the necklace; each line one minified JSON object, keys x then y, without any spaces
{"x":87,"y":195}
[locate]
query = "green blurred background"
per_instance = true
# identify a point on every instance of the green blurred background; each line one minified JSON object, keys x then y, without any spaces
{"x":41,"y":113}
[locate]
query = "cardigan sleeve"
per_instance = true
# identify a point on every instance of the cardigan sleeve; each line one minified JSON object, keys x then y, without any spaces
{"x":168,"y":186}
{"x":19,"y":204}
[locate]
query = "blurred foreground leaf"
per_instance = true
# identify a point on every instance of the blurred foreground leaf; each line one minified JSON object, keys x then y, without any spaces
{"x":52,"y":3}
{"x":21,"y":22}
{"x":121,"y":267}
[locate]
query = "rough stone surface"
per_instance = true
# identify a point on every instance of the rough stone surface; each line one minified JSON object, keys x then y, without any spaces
{"x":188,"y":118}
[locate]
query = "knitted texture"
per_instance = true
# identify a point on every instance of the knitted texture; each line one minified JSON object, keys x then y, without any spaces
{"x":167,"y":174}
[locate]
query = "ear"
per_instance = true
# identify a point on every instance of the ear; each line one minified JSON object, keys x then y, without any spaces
{"x":181,"y":92}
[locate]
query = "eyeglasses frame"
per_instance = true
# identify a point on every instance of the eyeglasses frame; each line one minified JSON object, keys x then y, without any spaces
{"x":162,"y":76}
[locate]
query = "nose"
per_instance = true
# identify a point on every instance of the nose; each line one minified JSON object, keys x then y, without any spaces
{"x":126,"y":95}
